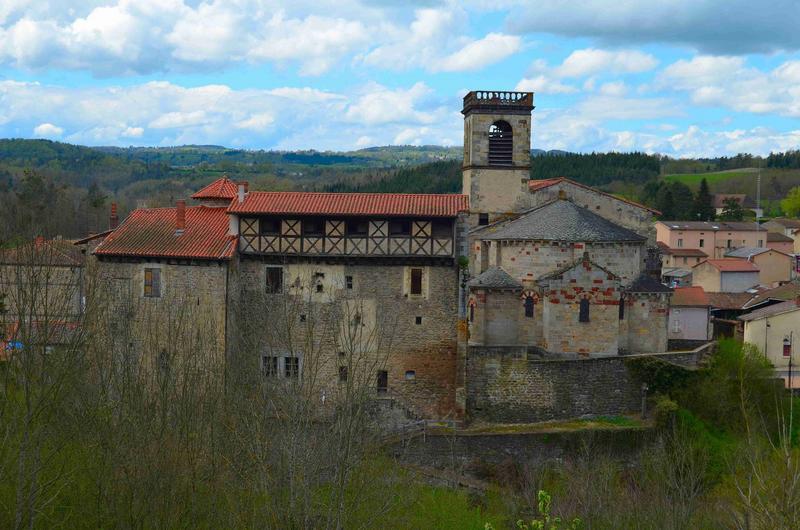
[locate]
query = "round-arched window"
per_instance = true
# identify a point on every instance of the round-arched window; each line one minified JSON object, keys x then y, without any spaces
{"x":501,"y":144}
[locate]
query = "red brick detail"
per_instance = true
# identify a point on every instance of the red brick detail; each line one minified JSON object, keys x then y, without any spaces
{"x":597,"y":281}
{"x":578,"y":245}
{"x":554,"y":301}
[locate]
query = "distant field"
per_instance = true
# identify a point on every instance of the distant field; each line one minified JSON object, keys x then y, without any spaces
{"x":693,"y":179}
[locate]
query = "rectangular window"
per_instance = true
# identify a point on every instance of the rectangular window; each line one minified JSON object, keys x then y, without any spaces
{"x":269,"y":226}
{"x":348,"y":282}
{"x":680,"y":243}
{"x":729,"y":243}
{"x":472,"y":313}
{"x":357,"y":227}
{"x":270,"y":366}
{"x":313,"y":227}
{"x":418,"y":321}
{"x":274,"y":280}
{"x":483,"y":219}
{"x":702,"y":243}
{"x":291,"y":367}
{"x":318,"y":277}
{"x":760,"y":243}
{"x":383,"y":381}
{"x":152,"y":283}
{"x":399,"y":227}
{"x":583,"y":315}
{"x":342,"y":374}
{"x":416,"y":281}
{"x":442,"y":229}
{"x":685,"y":260}
{"x":621,"y":308}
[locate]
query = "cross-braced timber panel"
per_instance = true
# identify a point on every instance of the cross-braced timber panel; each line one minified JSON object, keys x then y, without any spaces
{"x":378,"y":228}
{"x":378,"y":245}
{"x":312,"y":245}
{"x":248,"y":244}
{"x":290,"y":227}
{"x":249,"y":226}
{"x":290,"y":245}
{"x":270,"y":244}
{"x":356,"y":245}
{"x":399,"y":246}
{"x":334,"y":245}
{"x":334,"y":228}
{"x":421,"y":229}
{"x":420,"y":246}
{"x":442,"y":247}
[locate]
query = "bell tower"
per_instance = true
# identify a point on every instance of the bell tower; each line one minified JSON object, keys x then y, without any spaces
{"x":497,"y":152}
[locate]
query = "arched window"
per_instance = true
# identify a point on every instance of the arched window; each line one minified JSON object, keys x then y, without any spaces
{"x":501,"y":144}
{"x":529,"y":305}
{"x":583,"y":315}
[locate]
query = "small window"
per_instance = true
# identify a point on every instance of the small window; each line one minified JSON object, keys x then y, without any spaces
{"x":399,"y":227}
{"x":442,"y":229}
{"x":729,"y":243}
{"x":382,"y":381}
{"x":342,"y":374}
{"x":270,"y":226}
{"x":418,"y":321}
{"x":274,"y":280}
{"x":320,"y":288}
{"x":583,"y":315}
{"x":348,"y":282}
{"x":760,"y":243}
{"x":313,"y":227}
{"x":472,"y":313}
{"x":291,"y":367}
{"x":680,"y":243}
{"x":269,"y":366}
{"x":529,"y":305}
{"x":411,"y":375}
{"x":357,"y":227}
{"x":302,"y":318}
{"x":702,"y":243}
{"x":416,"y":281}
{"x":622,"y":308}
{"x":483,"y":219}
{"x":152,"y":283}
{"x":318,"y":277}
{"x":685,"y":260}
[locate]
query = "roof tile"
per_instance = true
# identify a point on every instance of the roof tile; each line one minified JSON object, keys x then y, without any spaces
{"x":690,"y":297}
{"x":222,"y":189}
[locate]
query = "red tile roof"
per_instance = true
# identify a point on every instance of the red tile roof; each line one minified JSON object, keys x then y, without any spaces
{"x":728,"y":300}
{"x":730,"y":265}
{"x":689,"y":296}
{"x":380,"y":204}
{"x":222,"y":189}
{"x":150,"y":232}
{"x":536,"y":185}
{"x":53,"y":252}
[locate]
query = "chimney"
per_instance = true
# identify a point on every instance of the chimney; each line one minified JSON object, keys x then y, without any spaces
{"x":180,"y":216}
{"x":113,"y":220}
{"x":242,"y":191}
{"x":39,"y":241}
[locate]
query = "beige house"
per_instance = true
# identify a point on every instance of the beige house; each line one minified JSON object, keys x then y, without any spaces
{"x":680,"y":257}
{"x":775,"y":330}
{"x":779,"y":241}
{"x":729,"y":275}
{"x":715,"y":238}
{"x":774,"y":266}
{"x":787,"y":227}
{"x":690,"y":315}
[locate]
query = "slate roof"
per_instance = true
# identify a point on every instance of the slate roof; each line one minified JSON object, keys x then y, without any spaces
{"x":150,"y":232}
{"x":746,"y":252}
{"x":787,"y":291}
{"x":494,"y":278}
{"x":777,"y":237}
{"x":559,"y":220}
{"x":372,"y":204}
{"x":772,"y":310}
{"x":730,"y":265}
{"x":675,"y":272}
{"x":647,"y":284}
{"x":693,"y":296}
{"x":711,"y":226}
{"x":221,"y":189}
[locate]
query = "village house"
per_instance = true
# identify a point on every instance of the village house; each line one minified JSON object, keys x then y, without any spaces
{"x":780,"y":241}
{"x":680,"y":257}
{"x":772,"y":330}
{"x":714,"y":238}
{"x":787,"y":227}
{"x":728,"y":275}
{"x":718,"y":202}
{"x":774,"y":266}
{"x":690,"y":316}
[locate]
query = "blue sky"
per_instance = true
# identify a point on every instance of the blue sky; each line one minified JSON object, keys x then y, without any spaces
{"x":678,"y":77}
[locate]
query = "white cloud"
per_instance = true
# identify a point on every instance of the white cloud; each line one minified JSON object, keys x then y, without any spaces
{"x":478,"y":54}
{"x":621,"y":108}
{"x":589,"y":61}
{"x":614,"y":89}
{"x":383,"y":105}
{"x":256,"y":122}
{"x":47,"y":130}
{"x":544,"y":85}
{"x":716,"y":26}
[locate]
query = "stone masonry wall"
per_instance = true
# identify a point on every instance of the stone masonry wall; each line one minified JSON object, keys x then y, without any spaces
{"x":504,"y":386}
{"x":647,"y":316}
{"x":526,"y":261}
{"x":417,"y":334}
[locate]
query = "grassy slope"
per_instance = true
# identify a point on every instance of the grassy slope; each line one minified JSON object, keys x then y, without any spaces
{"x":775,"y":183}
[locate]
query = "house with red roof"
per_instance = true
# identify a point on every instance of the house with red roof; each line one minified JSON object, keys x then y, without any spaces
{"x":729,"y":275}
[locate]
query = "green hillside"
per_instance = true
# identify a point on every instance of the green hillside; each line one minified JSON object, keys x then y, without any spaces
{"x":693,"y":179}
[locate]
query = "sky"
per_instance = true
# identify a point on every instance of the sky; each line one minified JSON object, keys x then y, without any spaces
{"x":685,"y":78}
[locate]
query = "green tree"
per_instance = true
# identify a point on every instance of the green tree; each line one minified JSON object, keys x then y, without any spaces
{"x":703,"y":208}
{"x":791,"y":204}
{"x":732,"y":210}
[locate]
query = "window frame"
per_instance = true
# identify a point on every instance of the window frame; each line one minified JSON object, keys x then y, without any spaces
{"x":267,"y":283}
{"x":291,"y":367}
{"x":153,"y":284}
{"x":419,"y":281}
{"x":583,"y":311}
{"x":530,"y":307}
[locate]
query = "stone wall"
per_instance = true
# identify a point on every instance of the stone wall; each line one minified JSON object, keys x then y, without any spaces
{"x":476,"y":138}
{"x":647,"y":319}
{"x":412,"y":337}
{"x":526,"y":261}
{"x":507,"y":387}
